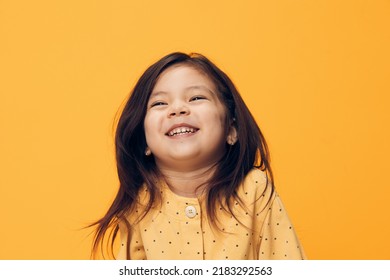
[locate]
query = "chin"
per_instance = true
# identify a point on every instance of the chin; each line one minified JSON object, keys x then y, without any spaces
{"x":184,"y":156}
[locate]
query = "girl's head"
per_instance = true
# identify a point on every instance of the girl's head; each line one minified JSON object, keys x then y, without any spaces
{"x":189,"y":92}
{"x":184,"y":113}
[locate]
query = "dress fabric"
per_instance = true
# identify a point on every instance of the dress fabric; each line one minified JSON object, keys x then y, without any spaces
{"x":179,"y":228}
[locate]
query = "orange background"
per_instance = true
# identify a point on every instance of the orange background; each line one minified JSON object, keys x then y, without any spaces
{"x":314,"y":73}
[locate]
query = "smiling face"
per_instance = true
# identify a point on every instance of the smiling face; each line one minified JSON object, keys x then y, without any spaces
{"x":185,"y":120}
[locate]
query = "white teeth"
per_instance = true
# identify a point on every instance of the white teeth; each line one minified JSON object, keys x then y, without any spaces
{"x":181,"y":130}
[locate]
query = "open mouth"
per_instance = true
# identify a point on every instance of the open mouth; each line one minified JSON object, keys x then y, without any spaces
{"x":182,"y":131}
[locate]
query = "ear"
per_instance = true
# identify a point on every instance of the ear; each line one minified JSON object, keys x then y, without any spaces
{"x":232,"y":137}
{"x":148,"y":152}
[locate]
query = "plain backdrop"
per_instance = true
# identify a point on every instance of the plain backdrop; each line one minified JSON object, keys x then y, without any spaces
{"x":315,"y":74}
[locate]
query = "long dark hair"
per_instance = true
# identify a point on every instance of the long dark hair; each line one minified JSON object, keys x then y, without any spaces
{"x":136,"y":170}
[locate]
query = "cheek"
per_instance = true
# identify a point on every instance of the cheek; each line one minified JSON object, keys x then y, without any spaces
{"x":152,"y":127}
{"x":216,"y":128}
{"x":148,"y":127}
{"x":217,"y":120}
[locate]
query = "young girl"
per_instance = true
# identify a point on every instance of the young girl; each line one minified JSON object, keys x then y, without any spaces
{"x":194,"y":172}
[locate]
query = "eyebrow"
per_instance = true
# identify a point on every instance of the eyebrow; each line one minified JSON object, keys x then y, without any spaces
{"x":161,"y":92}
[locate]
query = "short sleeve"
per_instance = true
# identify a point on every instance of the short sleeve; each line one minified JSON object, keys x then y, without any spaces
{"x":278,"y":240}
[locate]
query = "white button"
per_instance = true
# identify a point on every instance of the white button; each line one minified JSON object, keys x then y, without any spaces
{"x":190,"y":211}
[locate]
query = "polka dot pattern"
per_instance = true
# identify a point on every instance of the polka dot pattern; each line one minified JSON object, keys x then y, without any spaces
{"x":258,"y":228}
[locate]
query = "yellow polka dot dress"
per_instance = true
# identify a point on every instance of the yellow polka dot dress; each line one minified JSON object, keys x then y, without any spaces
{"x":179,"y":228}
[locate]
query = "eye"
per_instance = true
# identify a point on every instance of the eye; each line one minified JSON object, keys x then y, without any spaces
{"x":198,"y":97}
{"x":158,"y":103}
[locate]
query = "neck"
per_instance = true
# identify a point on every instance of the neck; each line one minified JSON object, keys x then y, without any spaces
{"x":187,"y":183}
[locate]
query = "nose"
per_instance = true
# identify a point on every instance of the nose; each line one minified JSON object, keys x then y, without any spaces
{"x":178,"y":109}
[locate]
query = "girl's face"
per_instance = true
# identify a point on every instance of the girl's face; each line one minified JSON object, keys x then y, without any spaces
{"x":185,"y":120}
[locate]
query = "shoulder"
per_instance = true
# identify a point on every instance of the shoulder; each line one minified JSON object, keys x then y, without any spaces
{"x":256,"y":175}
{"x":256,"y":188}
{"x":257,"y":180}
{"x":139,"y":207}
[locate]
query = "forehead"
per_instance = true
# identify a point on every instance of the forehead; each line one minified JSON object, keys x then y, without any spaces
{"x":181,"y":77}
